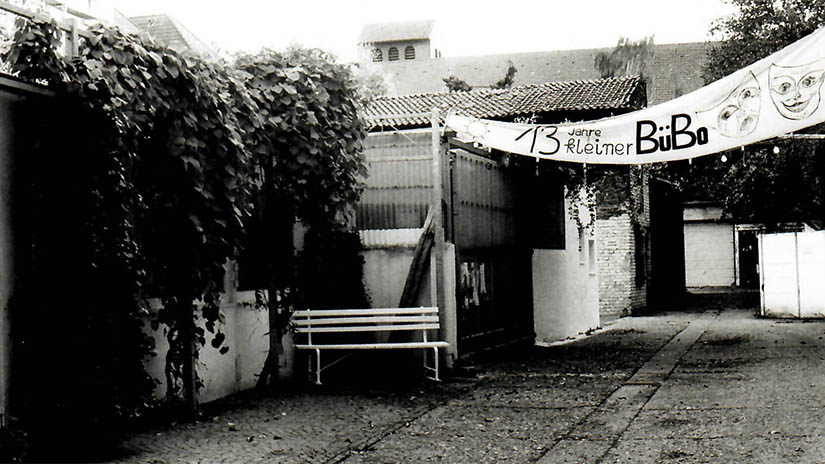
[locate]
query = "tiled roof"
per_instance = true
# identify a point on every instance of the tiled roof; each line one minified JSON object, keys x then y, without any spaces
{"x":167,"y":31}
{"x":392,"y":32}
{"x":413,"y":110}
{"x":124,"y":23}
{"x":674,"y":70}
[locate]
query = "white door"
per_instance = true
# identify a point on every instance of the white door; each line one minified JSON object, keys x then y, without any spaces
{"x":811,"y":258}
{"x":709,"y":255}
{"x":777,"y":256}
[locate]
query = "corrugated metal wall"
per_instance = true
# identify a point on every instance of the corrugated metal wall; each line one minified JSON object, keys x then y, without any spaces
{"x":399,"y":187}
{"x":483,"y":202}
{"x":493,"y":272}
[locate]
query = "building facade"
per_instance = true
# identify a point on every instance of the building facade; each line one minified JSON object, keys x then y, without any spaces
{"x":394,"y":43}
{"x":508,"y":220}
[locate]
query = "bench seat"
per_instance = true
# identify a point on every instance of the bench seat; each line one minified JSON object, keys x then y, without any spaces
{"x":375,"y":346}
{"x":325,"y":322}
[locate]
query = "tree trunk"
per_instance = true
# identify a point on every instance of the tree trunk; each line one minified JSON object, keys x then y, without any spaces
{"x":183,"y":346}
{"x":190,"y":400}
{"x":278,"y":221}
{"x":271,"y":371}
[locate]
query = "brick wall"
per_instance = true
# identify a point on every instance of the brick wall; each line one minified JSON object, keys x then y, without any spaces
{"x":614,"y":254}
{"x":619,"y":294}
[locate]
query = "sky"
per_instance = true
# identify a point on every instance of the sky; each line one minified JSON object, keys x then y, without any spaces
{"x":462,"y":28}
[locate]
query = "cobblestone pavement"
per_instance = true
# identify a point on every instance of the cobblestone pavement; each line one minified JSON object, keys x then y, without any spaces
{"x":674,"y":388}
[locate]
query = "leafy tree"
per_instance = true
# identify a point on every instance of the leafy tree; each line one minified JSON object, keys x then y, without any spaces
{"x":311,"y":164}
{"x":374,"y":82}
{"x":779,"y":181}
{"x":507,"y":81}
{"x":779,"y":184}
{"x":628,"y":58}
{"x":757,"y":29}
{"x":456,"y":84}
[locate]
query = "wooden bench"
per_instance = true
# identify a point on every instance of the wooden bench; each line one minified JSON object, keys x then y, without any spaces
{"x":315,"y":325}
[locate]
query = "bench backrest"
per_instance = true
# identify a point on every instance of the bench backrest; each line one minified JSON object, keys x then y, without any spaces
{"x":365,"y":320}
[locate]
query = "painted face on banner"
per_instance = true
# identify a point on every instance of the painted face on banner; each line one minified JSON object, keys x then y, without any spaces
{"x":795,"y":90}
{"x":475,"y":128}
{"x":738,"y":114}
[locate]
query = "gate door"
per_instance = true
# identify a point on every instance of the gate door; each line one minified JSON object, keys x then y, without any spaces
{"x":494,"y":286}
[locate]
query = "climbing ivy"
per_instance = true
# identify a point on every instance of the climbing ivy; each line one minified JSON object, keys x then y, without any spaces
{"x":599,"y":191}
{"x":313,"y":139}
{"x":175,"y":132}
{"x":311,"y":164}
{"x":193,"y":149}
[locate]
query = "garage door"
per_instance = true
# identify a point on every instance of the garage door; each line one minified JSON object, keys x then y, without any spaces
{"x":709,"y":260}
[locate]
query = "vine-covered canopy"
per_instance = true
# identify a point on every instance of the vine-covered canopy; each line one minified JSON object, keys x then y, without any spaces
{"x":184,"y":146}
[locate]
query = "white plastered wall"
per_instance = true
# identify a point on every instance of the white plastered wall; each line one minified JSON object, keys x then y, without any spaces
{"x":565,"y":286}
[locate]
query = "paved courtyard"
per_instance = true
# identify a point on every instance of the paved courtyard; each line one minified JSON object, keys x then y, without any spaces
{"x":712,"y":386}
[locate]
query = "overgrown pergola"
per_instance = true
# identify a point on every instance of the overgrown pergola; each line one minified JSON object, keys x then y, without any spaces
{"x":186,"y":151}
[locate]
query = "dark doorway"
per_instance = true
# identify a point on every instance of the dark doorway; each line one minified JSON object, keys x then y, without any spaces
{"x":748,"y":259}
{"x":667,"y":246}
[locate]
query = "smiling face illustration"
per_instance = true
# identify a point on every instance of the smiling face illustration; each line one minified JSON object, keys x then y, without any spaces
{"x":795,"y":90}
{"x":738,"y":114}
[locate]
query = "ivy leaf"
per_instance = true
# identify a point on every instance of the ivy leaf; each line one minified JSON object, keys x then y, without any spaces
{"x":173,"y":70}
{"x":293,"y":75}
{"x":218,"y":340}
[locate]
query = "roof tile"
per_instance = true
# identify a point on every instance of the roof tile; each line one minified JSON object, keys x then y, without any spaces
{"x":675,"y":69}
{"x":169,"y":32}
{"x":408,"y":111}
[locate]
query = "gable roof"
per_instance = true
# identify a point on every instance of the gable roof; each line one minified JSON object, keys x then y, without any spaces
{"x":675,"y":69}
{"x":394,"y":32}
{"x":410,"y":111}
{"x":167,"y":31}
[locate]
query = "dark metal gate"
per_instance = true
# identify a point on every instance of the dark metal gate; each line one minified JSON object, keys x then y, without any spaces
{"x":494,"y":278}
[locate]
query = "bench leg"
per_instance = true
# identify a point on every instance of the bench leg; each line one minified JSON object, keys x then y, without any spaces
{"x":435,"y":362}
{"x":317,"y":370}
{"x":318,"y":367}
{"x":434,"y":368}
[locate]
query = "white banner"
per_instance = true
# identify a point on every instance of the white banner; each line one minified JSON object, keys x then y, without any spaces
{"x":774,"y":96}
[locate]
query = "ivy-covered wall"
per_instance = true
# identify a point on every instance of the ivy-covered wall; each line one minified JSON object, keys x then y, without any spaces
{"x":142,"y":180}
{"x":246,"y":328}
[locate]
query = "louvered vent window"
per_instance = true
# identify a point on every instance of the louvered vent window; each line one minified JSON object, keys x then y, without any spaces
{"x":377,"y":55}
{"x":409,"y":53}
{"x":392,"y":54}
